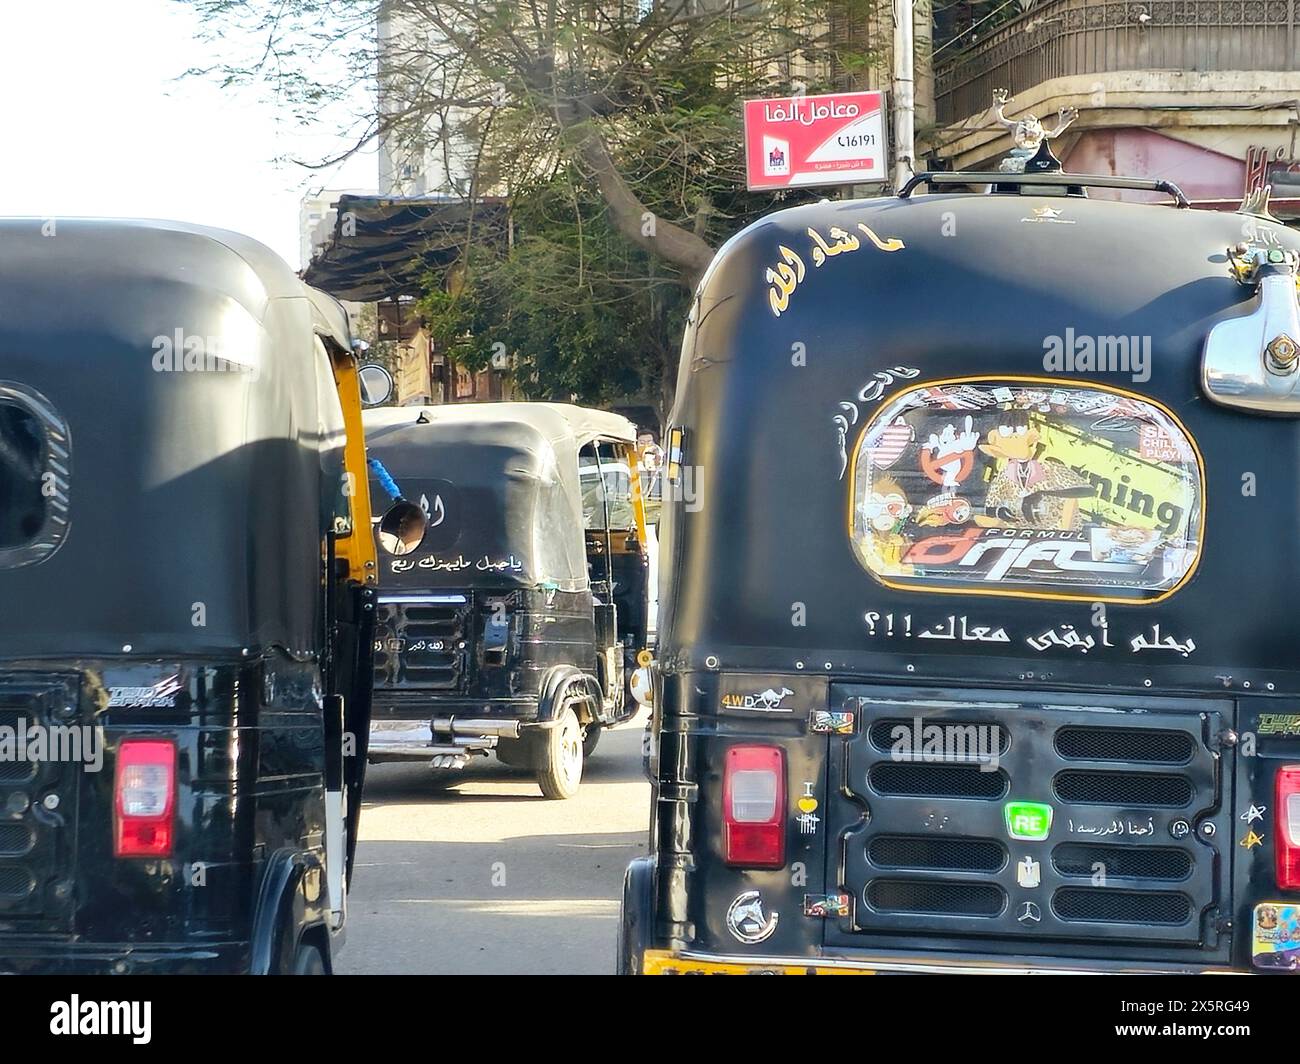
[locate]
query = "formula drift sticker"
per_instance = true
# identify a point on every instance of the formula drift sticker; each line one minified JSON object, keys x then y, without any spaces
{"x":1013,"y":487}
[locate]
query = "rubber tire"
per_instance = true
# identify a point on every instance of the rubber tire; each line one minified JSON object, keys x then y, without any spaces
{"x":636,"y":919}
{"x":559,"y":772}
{"x":592,"y":737}
{"x":308,"y":960}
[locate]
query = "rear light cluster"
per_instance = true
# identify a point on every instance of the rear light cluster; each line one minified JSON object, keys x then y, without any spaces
{"x":144,"y":798}
{"x":1287,"y":817}
{"x":754,"y":807}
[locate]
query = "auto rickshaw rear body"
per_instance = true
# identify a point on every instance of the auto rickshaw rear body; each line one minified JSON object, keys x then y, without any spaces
{"x":511,"y":626}
{"x":185,"y":634}
{"x":975,"y":642}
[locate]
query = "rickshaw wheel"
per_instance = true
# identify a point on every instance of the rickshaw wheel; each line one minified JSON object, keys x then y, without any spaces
{"x":308,"y":960}
{"x":590,"y":738}
{"x":560,"y":770}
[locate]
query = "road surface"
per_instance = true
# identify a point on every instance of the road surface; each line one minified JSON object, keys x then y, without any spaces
{"x":488,"y":877}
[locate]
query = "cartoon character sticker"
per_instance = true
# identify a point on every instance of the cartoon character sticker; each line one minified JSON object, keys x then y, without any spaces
{"x":887,"y":511}
{"x":948,"y":455}
{"x":1276,"y":936}
{"x":1029,"y":490}
{"x":1009,"y":487}
{"x":947,"y":458}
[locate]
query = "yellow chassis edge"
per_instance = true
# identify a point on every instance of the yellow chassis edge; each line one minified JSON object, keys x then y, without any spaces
{"x":661,"y":962}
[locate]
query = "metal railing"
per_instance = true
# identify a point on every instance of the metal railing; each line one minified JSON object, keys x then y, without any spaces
{"x":1063,"y":38}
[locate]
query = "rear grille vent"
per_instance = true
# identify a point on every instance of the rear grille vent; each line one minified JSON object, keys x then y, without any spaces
{"x":17,"y":771}
{"x":36,"y":848}
{"x":15,"y":840}
{"x":884,"y":734}
{"x":1099,"y":905}
{"x":923,"y":780}
{"x":420,"y":645}
{"x":1133,"y":861}
{"x":947,"y":855}
{"x":15,"y":882}
{"x":1141,"y":745}
{"x":910,"y":896}
{"x":437,"y":618}
{"x":1123,"y":788}
{"x":1121,"y":862}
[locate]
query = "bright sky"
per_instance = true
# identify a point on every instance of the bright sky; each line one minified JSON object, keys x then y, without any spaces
{"x":96,"y":124}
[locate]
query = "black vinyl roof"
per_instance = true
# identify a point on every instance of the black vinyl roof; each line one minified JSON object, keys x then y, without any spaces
{"x":501,"y":483}
{"x":935,"y":288}
{"x":205,"y":436}
{"x":383,"y":246}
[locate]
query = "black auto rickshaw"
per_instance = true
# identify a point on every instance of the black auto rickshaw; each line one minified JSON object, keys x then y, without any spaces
{"x":512,"y":623}
{"x":977,"y":652}
{"x":185,"y":569}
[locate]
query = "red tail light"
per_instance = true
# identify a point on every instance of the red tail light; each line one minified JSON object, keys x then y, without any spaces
{"x":753,"y":807}
{"x":1286,"y":842}
{"x":144,"y":798}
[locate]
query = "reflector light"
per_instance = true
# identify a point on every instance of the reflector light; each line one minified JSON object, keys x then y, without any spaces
{"x":1286,"y":846}
{"x":754,"y":807}
{"x":144,"y":798}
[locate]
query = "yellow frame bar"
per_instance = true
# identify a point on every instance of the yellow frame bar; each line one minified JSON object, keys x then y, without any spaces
{"x":661,"y":962}
{"x":357,"y":548}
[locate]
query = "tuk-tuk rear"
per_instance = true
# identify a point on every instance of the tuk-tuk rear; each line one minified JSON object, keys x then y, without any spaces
{"x":185,"y":640}
{"x":974,"y":647}
{"x":511,"y":625}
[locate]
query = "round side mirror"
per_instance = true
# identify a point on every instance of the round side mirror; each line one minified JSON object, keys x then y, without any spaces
{"x":376,"y":384}
{"x":402,"y":528}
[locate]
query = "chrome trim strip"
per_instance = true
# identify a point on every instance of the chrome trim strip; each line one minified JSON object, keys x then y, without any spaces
{"x":422,"y":597}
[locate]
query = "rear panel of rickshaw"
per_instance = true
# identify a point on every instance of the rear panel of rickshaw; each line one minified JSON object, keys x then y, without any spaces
{"x":249,"y":787}
{"x":1118,"y":655}
{"x":508,"y":586}
{"x":474,"y":649}
{"x":164,"y":584}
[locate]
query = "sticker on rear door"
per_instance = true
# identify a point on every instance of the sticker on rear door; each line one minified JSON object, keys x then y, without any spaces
{"x":1028,"y":821}
{"x":1275,"y":941}
{"x":1017,"y":486}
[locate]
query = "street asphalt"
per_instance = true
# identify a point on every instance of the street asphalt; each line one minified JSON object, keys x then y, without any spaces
{"x":487,"y":876}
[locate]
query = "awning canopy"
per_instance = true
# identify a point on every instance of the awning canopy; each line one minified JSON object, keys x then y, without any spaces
{"x":383,"y":246}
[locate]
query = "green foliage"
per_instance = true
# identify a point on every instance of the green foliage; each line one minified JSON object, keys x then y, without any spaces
{"x":579,"y":308}
{"x":612,"y":128}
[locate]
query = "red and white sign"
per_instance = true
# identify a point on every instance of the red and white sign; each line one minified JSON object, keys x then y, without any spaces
{"x":835,"y":139}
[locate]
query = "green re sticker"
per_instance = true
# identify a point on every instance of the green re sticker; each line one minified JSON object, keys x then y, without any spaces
{"x":1028,"y":820}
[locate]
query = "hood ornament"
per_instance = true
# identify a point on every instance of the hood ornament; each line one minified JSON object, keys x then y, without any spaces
{"x":1255,"y":203}
{"x":1031,"y":152}
{"x":1252,"y":362}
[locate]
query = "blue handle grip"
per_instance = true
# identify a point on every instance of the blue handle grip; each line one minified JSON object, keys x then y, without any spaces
{"x":385,"y":481}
